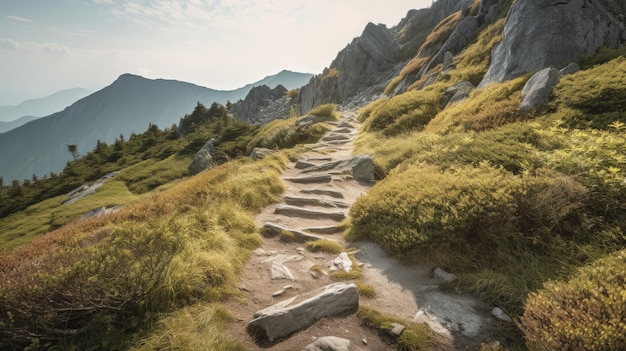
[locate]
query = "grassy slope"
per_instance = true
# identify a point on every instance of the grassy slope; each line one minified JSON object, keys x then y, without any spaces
{"x":507,"y":201}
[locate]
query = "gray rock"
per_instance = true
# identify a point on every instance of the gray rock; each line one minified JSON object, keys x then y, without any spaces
{"x":344,"y":130}
{"x":203,"y":159}
{"x":499,"y":313}
{"x":570,"y":69}
{"x":292,"y":211}
{"x":335,"y":137}
{"x":254,"y":108}
{"x":318,"y":178}
{"x":396,"y":329}
{"x":331,"y":343}
{"x":280,"y":271}
{"x":447,"y":60}
{"x":286,"y":317}
{"x":443,"y":275}
{"x":303,"y":164}
{"x":537,"y":90}
{"x":544,"y":33}
{"x":260,"y":152}
{"x":361,"y":167}
{"x":87,"y":189}
{"x":342,"y":263}
{"x":100,"y":211}
{"x":308,"y":120}
{"x":456,"y":93}
{"x":274,"y":229}
{"x":306,"y":201}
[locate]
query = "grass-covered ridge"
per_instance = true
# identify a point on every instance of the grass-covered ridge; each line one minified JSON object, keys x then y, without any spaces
{"x":111,"y":278}
{"x":507,"y":201}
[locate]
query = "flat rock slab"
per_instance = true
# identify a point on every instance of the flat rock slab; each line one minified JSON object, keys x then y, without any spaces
{"x":318,"y":178}
{"x":361,"y":167}
{"x":320,"y":159}
{"x":275,"y":229}
{"x":335,"y":137}
{"x":343,"y":131}
{"x":292,"y":211}
{"x":304,"y":164}
{"x":286,"y":317}
{"x":331,"y":193}
{"x":307,"y":201}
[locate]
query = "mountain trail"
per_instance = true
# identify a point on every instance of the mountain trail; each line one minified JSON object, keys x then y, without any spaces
{"x":314,"y":203}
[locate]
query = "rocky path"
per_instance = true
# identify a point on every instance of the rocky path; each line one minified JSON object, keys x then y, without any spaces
{"x":320,"y":187}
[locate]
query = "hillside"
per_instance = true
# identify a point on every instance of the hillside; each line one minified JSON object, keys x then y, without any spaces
{"x":127,"y":106}
{"x":496,"y":176}
{"x":6,"y":126}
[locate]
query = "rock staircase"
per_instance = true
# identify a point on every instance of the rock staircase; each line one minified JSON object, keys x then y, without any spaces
{"x":282,"y":278}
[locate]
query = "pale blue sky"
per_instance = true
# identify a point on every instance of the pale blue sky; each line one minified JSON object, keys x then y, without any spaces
{"x":49,"y":45}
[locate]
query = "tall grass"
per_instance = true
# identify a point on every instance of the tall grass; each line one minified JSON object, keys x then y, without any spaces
{"x":104,"y":281}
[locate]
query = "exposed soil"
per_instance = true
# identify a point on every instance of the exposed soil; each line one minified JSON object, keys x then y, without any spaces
{"x":408,"y":292}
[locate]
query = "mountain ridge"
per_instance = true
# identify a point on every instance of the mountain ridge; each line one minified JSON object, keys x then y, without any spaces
{"x":127,"y":105}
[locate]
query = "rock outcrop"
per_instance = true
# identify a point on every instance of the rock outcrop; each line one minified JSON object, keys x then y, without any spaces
{"x":365,"y":66}
{"x":203,"y":159}
{"x":544,"y":33}
{"x":286,"y":317}
{"x":262,"y":105}
{"x":537,"y":90}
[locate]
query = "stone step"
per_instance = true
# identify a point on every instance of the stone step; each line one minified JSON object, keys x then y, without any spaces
{"x":318,"y":178}
{"x":335,"y":137}
{"x":292,"y":211}
{"x":343,"y":131}
{"x":339,"y":142}
{"x":319,"y":159}
{"x":304,"y":164}
{"x":274,"y":229}
{"x":331,"y":229}
{"x":307,"y":201}
{"x":323,"y":167}
{"x":345,"y":125}
{"x":300,"y":312}
{"x":331,"y":193}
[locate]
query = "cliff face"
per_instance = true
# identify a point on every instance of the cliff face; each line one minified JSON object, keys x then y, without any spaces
{"x":261,"y":105}
{"x":365,"y":66}
{"x":545,"y":33}
{"x":536,"y":34}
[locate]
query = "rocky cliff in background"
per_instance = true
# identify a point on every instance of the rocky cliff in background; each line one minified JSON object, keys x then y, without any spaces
{"x":537,"y":34}
{"x":262,"y":105}
{"x":365,"y":66}
{"x":544,"y":33}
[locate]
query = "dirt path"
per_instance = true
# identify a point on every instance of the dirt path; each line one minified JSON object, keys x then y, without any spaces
{"x":407,"y":292}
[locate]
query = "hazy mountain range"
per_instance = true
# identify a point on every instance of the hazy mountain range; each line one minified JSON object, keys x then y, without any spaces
{"x":128,"y":105}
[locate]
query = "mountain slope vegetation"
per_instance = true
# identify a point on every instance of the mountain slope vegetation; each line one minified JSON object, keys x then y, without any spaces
{"x":527,"y":210}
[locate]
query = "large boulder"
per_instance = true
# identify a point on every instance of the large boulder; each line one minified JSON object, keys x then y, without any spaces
{"x":203,"y":159}
{"x":544,"y":33}
{"x":361,"y":167}
{"x":286,"y":317}
{"x":537,"y":90}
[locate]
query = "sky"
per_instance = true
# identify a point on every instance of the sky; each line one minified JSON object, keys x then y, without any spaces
{"x":51,"y":45}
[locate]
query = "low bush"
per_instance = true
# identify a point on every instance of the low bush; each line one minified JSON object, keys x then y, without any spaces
{"x":101,"y":282}
{"x":401,"y":114}
{"x":588,"y":312}
{"x":328,"y":246}
{"x":415,"y":337}
{"x":283,"y":133}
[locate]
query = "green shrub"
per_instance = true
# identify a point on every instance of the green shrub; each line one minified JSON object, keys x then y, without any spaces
{"x":401,"y":114}
{"x":593,"y":98}
{"x":415,"y":337}
{"x":586,"y":313}
{"x":422,"y":208}
{"x":365,"y":290}
{"x":328,"y":246}
{"x":283,"y":133}
{"x":286,"y":236}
